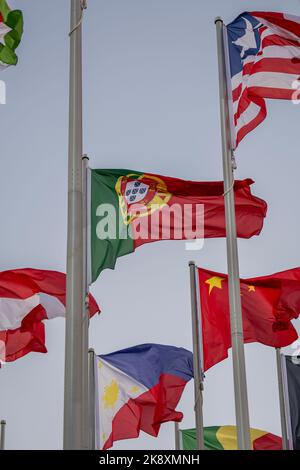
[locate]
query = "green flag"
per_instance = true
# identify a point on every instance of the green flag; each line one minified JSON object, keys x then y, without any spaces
{"x":110,"y":232}
{"x":225,"y":438}
{"x":11,"y":30}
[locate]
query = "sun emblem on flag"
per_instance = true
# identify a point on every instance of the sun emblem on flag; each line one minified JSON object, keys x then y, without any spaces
{"x":141,"y":195}
{"x":111,"y":394}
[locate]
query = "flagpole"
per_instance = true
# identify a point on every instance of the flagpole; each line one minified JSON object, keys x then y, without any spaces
{"x":198,"y":369}
{"x":177,"y":436}
{"x":237,"y":337}
{"x":86,"y":316}
{"x":281,"y":400}
{"x":286,"y":398}
{"x":2,"y":436}
{"x":92,"y":401}
{"x":75,"y":420}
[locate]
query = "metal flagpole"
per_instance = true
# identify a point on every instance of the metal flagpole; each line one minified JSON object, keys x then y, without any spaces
{"x":177,"y":436}
{"x":237,"y":337}
{"x":285,"y":445}
{"x":286,"y":400}
{"x":198,"y":372}
{"x":75,"y":409}
{"x":2,"y":435}
{"x":92,"y":401}
{"x":86,"y":319}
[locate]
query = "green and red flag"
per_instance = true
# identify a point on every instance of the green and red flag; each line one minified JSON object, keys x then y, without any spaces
{"x":130,"y":208}
{"x":269,"y":303}
{"x":225,"y":438}
{"x":11,"y":30}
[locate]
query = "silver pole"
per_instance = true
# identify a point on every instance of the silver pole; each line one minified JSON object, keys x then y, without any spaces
{"x":237,"y":336}
{"x":2,"y":436}
{"x":75,"y":374}
{"x":92,"y":401}
{"x":177,"y":436}
{"x":286,"y":397}
{"x":198,"y":370}
{"x":86,"y":320}
{"x":285,"y":445}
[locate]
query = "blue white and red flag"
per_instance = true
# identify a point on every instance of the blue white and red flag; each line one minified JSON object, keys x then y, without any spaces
{"x":264,"y":56}
{"x":138,"y":389}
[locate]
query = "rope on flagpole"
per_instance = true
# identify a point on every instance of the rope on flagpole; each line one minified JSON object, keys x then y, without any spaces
{"x":234,"y":167}
{"x":229,"y":189}
{"x":83,"y":7}
{"x":199,"y":397}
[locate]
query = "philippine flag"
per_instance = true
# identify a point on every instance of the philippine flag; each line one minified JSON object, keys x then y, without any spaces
{"x":138,"y":389}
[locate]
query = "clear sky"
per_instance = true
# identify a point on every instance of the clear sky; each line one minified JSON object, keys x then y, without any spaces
{"x":150,"y":104}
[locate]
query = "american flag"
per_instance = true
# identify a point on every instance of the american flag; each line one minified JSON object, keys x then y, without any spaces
{"x":264,"y":62}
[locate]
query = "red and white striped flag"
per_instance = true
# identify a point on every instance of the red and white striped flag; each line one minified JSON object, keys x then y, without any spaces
{"x":264,"y":56}
{"x":27,"y":297}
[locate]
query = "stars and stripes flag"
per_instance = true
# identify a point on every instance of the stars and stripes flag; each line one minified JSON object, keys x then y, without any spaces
{"x":264,"y":62}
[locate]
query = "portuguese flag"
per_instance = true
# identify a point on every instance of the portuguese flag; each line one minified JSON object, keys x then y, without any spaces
{"x":130,"y":208}
{"x":11,"y":30}
{"x":225,"y":438}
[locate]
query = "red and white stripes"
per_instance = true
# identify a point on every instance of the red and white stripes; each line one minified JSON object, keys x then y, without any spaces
{"x":273,"y":72}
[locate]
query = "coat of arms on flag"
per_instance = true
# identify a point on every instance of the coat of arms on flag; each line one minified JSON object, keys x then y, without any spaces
{"x":148,"y":207}
{"x":141,"y":195}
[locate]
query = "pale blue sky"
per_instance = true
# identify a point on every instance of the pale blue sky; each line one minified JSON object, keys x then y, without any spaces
{"x":150,"y":103}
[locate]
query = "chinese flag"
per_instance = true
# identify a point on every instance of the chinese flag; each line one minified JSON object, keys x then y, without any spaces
{"x":269,"y":303}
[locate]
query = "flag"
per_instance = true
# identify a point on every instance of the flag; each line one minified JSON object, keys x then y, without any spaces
{"x":264,"y":56}
{"x":11,"y":30}
{"x":129,"y":208}
{"x":15,"y":344}
{"x":293,"y":386}
{"x":138,"y":389}
{"x":27,"y":297}
{"x":225,"y":438}
{"x":269,"y":303}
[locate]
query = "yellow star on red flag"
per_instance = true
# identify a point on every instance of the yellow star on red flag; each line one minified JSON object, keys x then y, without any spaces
{"x":214,"y":281}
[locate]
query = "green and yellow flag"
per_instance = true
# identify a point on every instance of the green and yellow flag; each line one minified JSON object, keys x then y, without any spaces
{"x":225,"y":438}
{"x":11,"y":30}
